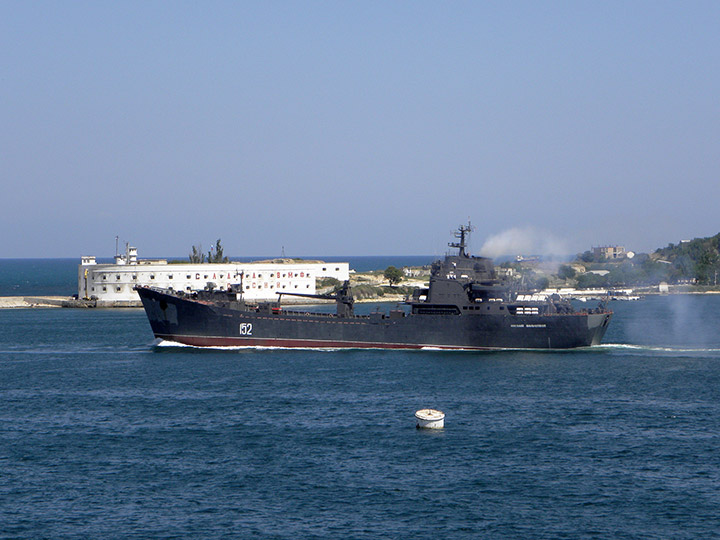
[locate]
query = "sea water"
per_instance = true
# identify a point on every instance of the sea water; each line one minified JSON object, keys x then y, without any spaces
{"x":104,"y":434}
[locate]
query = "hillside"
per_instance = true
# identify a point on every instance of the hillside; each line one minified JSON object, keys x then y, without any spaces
{"x":694,"y":262}
{"x":697,"y":259}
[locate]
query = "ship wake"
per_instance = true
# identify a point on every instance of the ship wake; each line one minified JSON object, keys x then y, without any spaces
{"x":163,"y":343}
{"x":656,"y":348}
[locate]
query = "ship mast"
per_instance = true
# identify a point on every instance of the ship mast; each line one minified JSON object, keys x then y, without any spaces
{"x":462,"y":232}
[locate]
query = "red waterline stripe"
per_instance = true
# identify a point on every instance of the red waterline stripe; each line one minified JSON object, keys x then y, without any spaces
{"x":209,"y":341}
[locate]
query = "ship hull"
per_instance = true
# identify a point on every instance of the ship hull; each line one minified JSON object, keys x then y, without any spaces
{"x":207,"y":324}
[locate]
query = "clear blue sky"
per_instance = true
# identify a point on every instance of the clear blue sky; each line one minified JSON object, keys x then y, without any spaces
{"x":356,"y":128}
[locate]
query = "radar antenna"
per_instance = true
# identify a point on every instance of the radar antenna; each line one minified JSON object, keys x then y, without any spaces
{"x":462,"y":233}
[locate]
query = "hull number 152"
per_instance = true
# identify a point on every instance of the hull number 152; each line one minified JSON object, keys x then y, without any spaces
{"x":246,"y":329}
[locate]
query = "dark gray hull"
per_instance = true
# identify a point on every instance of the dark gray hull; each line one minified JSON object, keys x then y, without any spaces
{"x":200,"y":323}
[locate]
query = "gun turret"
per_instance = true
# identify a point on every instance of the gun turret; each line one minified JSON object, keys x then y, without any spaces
{"x":343,"y":298}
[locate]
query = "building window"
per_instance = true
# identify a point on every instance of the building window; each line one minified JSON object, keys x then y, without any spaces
{"x":104,"y":289}
{"x":118,"y":289}
{"x":152,"y":276}
{"x":187,"y":277}
{"x":104,"y":276}
{"x":117,"y":277}
{"x":135,"y":277}
{"x":170,"y":276}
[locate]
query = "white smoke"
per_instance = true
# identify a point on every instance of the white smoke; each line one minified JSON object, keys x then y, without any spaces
{"x":523,"y":241}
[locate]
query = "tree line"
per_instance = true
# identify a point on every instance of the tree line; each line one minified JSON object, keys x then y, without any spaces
{"x":215,"y":255}
{"x":696,"y":261}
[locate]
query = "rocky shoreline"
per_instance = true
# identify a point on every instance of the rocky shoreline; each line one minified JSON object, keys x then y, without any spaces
{"x":13,"y":302}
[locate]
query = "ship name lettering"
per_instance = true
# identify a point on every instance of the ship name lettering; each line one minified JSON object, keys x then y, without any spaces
{"x":245,"y":329}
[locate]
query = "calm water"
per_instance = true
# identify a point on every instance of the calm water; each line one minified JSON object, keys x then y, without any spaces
{"x":42,"y":277}
{"x":104,"y":435}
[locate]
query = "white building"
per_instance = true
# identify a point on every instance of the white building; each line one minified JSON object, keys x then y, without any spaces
{"x":113,"y":283}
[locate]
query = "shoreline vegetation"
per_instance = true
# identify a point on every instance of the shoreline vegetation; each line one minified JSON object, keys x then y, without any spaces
{"x":691,"y":267}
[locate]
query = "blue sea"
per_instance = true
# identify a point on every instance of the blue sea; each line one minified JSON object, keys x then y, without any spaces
{"x":105,"y":434}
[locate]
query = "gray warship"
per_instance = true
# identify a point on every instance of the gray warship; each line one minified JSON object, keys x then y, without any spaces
{"x":466,"y":306}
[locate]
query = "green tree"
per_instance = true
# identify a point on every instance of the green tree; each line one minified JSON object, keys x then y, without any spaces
{"x":542,"y":283}
{"x":216,"y":255}
{"x":587,"y":256}
{"x":393,"y":275}
{"x":197,"y":256}
{"x":588,"y":280}
{"x":706,"y":267}
{"x":566,"y":272}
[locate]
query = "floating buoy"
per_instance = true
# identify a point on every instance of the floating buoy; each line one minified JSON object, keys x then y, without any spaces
{"x":430,"y":419}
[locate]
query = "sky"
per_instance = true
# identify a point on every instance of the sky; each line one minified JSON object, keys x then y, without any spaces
{"x":356,"y":128}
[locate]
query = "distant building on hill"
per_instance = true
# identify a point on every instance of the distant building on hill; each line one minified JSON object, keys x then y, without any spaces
{"x":609,"y":252}
{"x":528,"y":258}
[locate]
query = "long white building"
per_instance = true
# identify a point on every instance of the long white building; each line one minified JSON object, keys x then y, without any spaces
{"x":111,"y":284}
